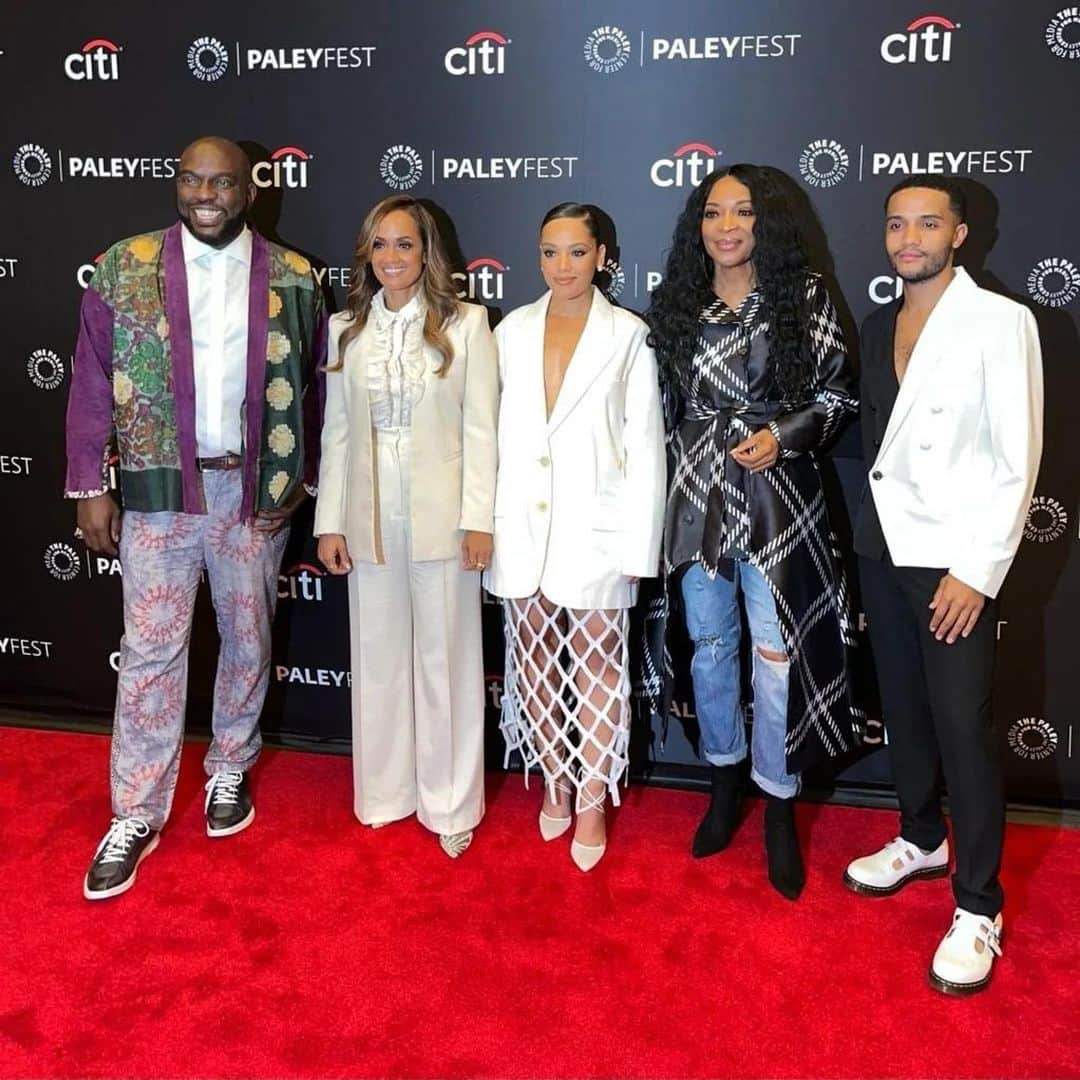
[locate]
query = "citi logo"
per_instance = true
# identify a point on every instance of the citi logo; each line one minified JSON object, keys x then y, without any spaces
{"x":301,"y":582}
{"x":928,"y":38}
{"x":286,"y":168}
{"x":690,"y":164}
{"x":885,"y":289}
{"x":484,"y":53}
{"x":86,"y":271}
{"x":97,"y":59}
{"x":1063,"y":34}
{"x":482,"y":280}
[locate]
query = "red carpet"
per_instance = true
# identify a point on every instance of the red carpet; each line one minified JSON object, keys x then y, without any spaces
{"x":309,"y":946}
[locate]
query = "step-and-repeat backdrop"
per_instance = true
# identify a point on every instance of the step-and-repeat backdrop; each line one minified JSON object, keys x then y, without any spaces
{"x":495,"y":112}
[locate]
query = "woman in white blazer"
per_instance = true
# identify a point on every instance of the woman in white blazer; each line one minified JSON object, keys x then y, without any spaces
{"x":578,"y":515}
{"x":406,"y":492}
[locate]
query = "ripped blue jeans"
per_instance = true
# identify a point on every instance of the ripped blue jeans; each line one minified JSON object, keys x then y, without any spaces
{"x":712,"y":620}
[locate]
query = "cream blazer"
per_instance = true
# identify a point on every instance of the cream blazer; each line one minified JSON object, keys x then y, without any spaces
{"x":579,"y":502}
{"x":953,"y":478}
{"x":453,"y":445}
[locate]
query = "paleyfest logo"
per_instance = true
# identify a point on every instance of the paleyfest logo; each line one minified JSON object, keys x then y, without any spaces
{"x":1046,"y":521}
{"x":824,"y":163}
{"x":32,"y":164}
{"x":690,"y":164}
{"x":207,"y":59}
{"x":615,"y":277}
{"x":1063,"y":34}
{"x":1033,"y":738}
{"x":1054,"y":282}
{"x":62,"y":561}
{"x":607,"y":49}
{"x":46,"y":369}
{"x":401,"y":167}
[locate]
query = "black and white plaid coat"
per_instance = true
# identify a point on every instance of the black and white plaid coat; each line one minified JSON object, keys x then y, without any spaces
{"x":776,"y":519}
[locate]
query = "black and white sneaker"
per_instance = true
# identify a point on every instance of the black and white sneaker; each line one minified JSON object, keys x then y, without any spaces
{"x":125,"y":845}
{"x":229,"y":808}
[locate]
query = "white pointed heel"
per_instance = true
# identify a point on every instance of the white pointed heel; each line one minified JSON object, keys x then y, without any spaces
{"x":551,"y":828}
{"x":586,"y":856}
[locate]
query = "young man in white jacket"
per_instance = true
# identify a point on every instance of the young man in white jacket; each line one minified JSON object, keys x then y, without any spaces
{"x":952,"y":404}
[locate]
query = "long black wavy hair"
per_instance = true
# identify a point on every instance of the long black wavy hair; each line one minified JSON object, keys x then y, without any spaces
{"x":780,"y":261}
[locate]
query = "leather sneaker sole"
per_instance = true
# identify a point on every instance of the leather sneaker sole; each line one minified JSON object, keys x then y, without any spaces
{"x":926,"y":873}
{"x":116,"y":890}
{"x":232,"y":830}
{"x":956,"y":989}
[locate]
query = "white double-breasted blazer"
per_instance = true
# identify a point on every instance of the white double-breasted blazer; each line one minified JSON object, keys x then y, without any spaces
{"x":579,"y":499}
{"x":453,"y":457}
{"x":954,"y":473}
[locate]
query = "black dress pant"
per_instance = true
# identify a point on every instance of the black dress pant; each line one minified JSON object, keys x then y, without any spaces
{"x":936,"y":701}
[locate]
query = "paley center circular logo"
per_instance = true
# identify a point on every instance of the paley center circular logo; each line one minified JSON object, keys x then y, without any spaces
{"x":1054,"y":282}
{"x":1047,"y":520}
{"x":1033,"y":738}
{"x":207,"y":59}
{"x":46,"y":369}
{"x":62,"y":561}
{"x":824,"y":163}
{"x":32,"y":164}
{"x":615,"y":278}
{"x":1063,"y":33}
{"x":401,"y":167}
{"x":607,"y":49}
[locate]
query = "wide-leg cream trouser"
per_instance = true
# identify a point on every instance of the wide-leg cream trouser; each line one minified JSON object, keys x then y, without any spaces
{"x":417,"y":673}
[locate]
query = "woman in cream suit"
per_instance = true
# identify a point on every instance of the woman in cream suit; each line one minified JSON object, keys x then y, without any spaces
{"x":578,"y":513}
{"x":406,"y":491}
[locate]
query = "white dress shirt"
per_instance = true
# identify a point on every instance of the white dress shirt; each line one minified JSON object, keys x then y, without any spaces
{"x":218,"y":283}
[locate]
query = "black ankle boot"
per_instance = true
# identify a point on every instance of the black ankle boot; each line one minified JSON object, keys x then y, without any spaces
{"x":786,"y":872}
{"x":718,"y":825}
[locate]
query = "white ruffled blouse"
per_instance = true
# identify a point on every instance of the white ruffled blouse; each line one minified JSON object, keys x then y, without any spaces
{"x":396,"y":361}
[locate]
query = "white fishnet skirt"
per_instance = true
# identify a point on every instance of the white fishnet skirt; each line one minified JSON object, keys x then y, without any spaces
{"x":566,"y":698}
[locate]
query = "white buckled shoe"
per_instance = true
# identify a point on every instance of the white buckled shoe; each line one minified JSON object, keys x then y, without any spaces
{"x":964,"y":960}
{"x":887,"y":871}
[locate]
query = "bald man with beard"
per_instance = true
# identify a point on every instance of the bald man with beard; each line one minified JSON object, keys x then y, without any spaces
{"x":197,"y":356}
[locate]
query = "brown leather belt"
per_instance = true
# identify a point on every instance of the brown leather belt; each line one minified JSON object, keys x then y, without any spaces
{"x":226,"y":461}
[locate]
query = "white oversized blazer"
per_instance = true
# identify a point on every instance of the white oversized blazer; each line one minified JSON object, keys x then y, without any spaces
{"x":953,"y":478}
{"x":579,"y":501}
{"x":452,"y":476}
